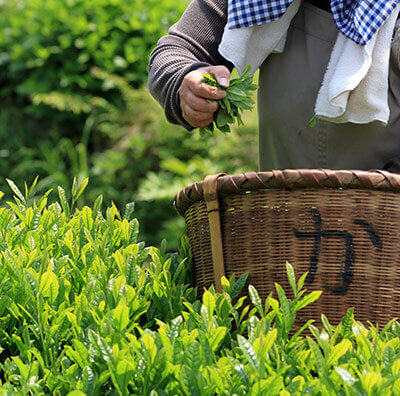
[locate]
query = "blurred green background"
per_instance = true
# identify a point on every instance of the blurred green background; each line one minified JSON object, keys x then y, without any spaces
{"x":74,"y":102}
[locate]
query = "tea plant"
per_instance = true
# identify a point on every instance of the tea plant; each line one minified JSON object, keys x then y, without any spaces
{"x":86,"y":309}
{"x":128,"y":151}
{"x":238,"y":98}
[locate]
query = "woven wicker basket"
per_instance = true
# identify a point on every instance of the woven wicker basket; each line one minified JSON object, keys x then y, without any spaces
{"x":343,"y":227}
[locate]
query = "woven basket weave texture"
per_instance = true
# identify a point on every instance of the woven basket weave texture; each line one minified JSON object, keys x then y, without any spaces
{"x":343,"y":227}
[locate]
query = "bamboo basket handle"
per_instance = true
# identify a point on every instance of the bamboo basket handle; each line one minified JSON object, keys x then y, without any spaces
{"x":212,"y":203}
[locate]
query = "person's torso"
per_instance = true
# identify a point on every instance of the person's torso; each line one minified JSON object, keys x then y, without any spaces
{"x":289,"y":84}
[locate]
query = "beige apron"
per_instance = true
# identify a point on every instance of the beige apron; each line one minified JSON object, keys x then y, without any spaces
{"x":289,"y":84}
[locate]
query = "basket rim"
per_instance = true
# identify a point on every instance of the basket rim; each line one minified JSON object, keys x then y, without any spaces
{"x":374,"y":179}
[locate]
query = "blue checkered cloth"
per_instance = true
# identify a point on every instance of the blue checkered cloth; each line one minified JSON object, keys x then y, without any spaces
{"x":358,"y":20}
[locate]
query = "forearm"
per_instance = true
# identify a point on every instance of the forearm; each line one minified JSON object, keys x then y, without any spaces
{"x":190,"y":44}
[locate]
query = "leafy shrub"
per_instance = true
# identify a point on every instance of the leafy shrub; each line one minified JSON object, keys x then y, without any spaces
{"x":70,"y":107}
{"x":129,"y":152}
{"x":50,"y":45}
{"x":87,"y":309}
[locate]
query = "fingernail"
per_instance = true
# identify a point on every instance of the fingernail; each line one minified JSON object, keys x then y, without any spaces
{"x":224,"y":81}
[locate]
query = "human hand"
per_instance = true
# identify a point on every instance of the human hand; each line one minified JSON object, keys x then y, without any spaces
{"x":195,"y":95}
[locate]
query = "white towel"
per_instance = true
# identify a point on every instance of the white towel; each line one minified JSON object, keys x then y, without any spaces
{"x":355,"y":85}
{"x":252,"y":45}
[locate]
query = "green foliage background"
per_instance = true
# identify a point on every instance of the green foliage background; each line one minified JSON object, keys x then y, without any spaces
{"x":74,"y":103}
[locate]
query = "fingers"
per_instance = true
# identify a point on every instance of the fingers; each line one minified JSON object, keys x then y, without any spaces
{"x":197,"y":111}
{"x":196,"y":118}
{"x":194,"y":82}
{"x":206,"y":91}
{"x":198,"y":103}
{"x":221,"y":74}
{"x":195,"y":95}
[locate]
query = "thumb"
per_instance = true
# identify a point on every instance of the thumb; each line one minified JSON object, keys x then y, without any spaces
{"x":221,"y":74}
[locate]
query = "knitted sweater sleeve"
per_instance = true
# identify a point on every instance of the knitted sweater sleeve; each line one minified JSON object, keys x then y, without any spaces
{"x":190,"y":44}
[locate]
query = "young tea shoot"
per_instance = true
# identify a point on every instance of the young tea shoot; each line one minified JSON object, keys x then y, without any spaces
{"x":238,"y":98}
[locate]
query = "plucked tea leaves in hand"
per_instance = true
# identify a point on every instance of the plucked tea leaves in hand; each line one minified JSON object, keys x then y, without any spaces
{"x":238,"y":98}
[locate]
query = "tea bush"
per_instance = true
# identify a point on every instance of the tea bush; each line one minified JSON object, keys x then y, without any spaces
{"x":87,"y":309}
{"x":72,"y":105}
{"x":50,"y":45}
{"x":129,"y":152}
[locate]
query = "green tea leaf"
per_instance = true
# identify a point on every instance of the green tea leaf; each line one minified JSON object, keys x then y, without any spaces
{"x":249,"y":353}
{"x":370,"y":380}
{"x":76,"y":393}
{"x":396,"y":387}
{"x":16,"y":191}
{"x":192,"y":356}
{"x":32,"y":187}
{"x":338,"y":351}
{"x":74,"y":187}
{"x":238,"y":97}
{"x":124,"y":372}
{"x":82,"y":351}
{"x":389,"y":356}
{"x":347,"y":321}
{"x":310,"y":298}
{"x":256,"y":300}
{"x":80,"y":190}
{"x":217,"y":337}
{"x":346,"y":376}
{"x":48,"y":286}
{"x":74,"y":356}
{"x":106,"y":351}
{"x":87,"y":217}
{"x":246,"y":71}
{"x":189,"y":380}
{"x":319,"y":359}
{"x":209,"y":302}
{"x":291,"y":277}
{"x":88,"y":380}
{"x":227,"y":105}
{"x":63,"y":201}
{"x":238,"y":285}
{"x":222,"y":118}
{"x":150,"y":346}
{"x":285,"y":306}
{"x":97,"y":205}
{"x":24,"y":370}
{"x":129,"y":209}
{"x":313,"y":122}
{"x":265,"y":343}
{"x":327,"y":325}
{"x":121,"y":316}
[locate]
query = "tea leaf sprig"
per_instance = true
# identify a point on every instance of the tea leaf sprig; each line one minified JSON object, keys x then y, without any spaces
{"x":238,"y":98}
